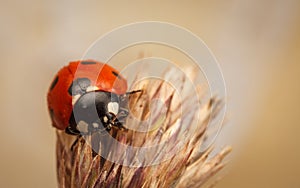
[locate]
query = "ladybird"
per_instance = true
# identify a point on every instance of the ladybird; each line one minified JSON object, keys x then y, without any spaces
{"x":88,"y":96}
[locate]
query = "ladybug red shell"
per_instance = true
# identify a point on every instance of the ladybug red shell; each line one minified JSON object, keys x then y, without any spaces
{"x":79,"y":83}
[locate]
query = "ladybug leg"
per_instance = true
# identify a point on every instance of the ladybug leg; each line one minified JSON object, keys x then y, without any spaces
{"x":72,"y":131}
{"x":120,"y":125}
{"x":108,"y":127}
{"x":75,"y":142}
{"x":112,"y":121}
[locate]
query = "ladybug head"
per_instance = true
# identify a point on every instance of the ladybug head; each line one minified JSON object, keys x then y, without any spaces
{"x":99,"y":110}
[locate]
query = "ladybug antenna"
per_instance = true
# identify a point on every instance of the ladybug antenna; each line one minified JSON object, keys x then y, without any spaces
{"x":133,"y":92}
{"x":127,"y":94}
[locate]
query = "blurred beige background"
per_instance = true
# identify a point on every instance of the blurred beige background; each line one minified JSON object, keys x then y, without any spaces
{"x":256,"y":42}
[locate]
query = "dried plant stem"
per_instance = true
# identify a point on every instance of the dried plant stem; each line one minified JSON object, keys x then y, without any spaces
{"x":187,"y":167}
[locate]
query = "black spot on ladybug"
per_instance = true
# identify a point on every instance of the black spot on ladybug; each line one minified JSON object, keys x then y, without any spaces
{"x":53,"y":84}
{"x":88,"y":62}
{"x":79,"y":86}
{"x":116,"y":74}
